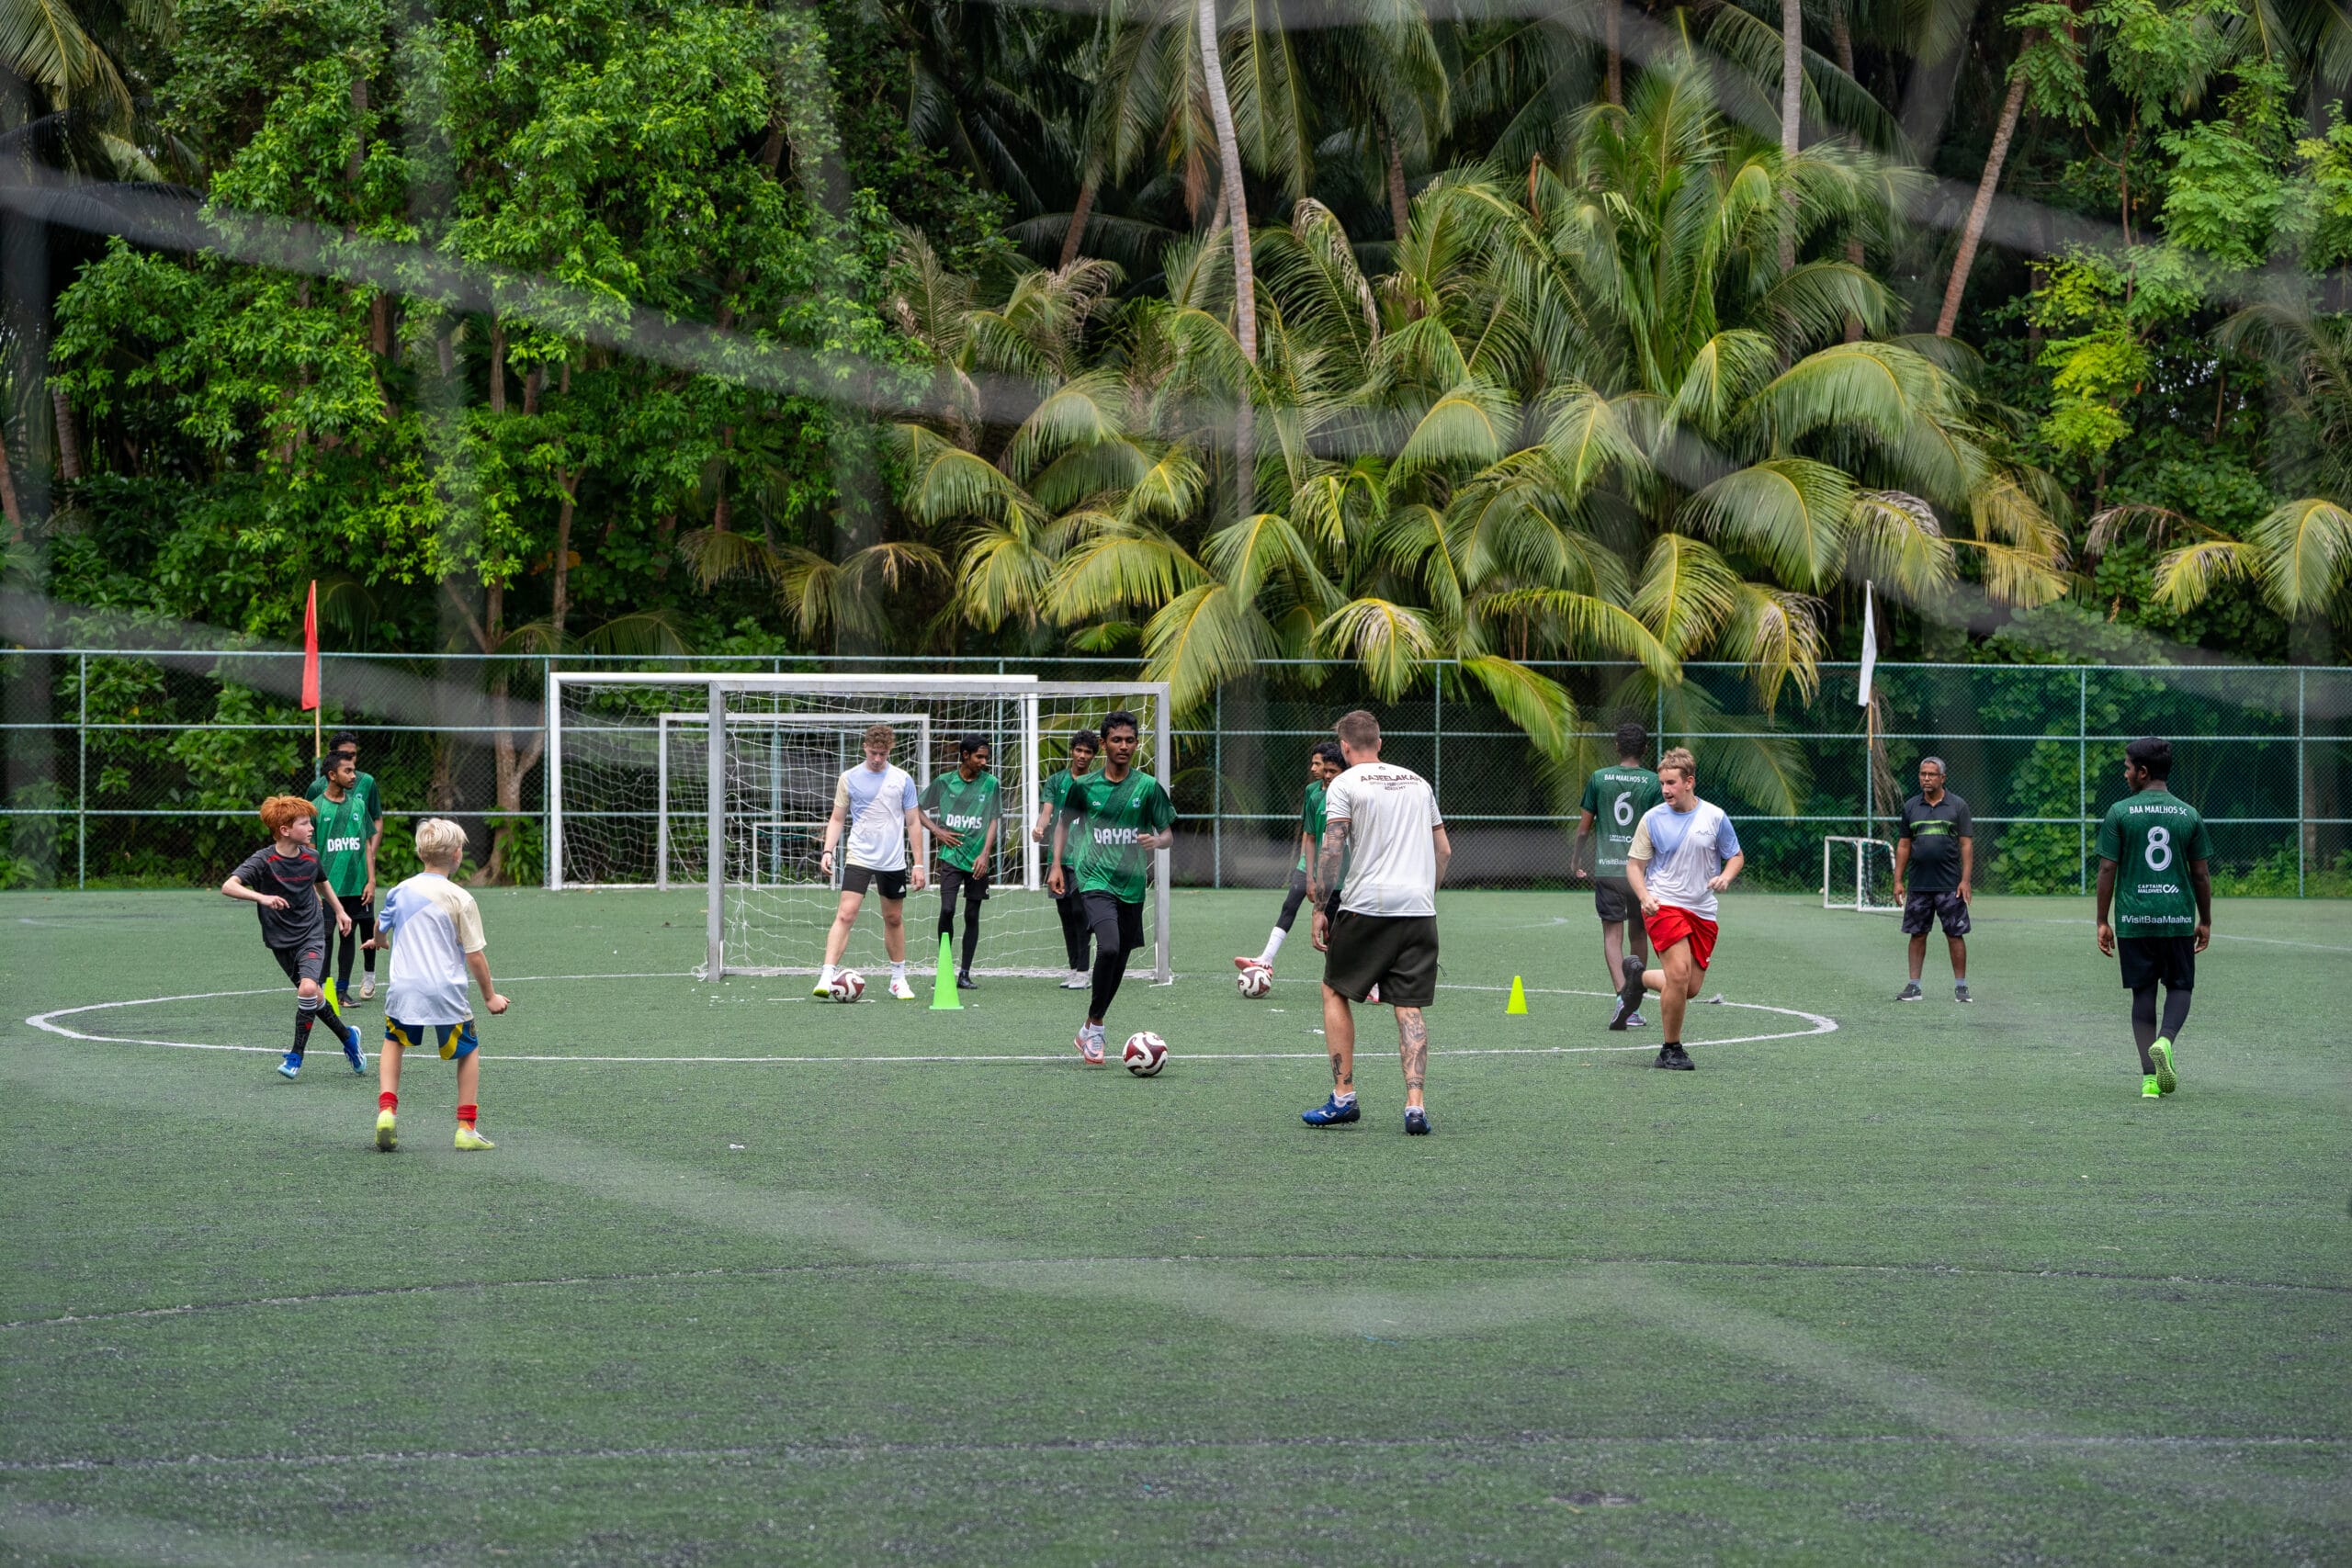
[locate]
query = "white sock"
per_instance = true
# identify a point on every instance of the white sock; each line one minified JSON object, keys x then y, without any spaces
{"x":1347,"y":1099}
{"x":825,"y":976}
{"x":1273,"y":945}
{"x":899,"y":970}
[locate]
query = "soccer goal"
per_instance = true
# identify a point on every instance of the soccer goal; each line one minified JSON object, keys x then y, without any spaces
{"x":1859,"y":875}
{"x":632,"y":760}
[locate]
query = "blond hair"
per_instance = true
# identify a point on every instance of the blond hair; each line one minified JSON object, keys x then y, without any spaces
{"x":440,"y":841}
{"x":280,"y":812}
{"x":1679,"y":757}
{"x":1358,"y":730}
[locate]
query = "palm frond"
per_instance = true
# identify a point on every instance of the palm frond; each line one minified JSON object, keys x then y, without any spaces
{"x":1391,"y":642}
{"x":1204,"y":636}
{"x":2306,"y":549}
{"x":1687,"y":591}
{"x":1536,"y":703}
{"x":1793,"y":510}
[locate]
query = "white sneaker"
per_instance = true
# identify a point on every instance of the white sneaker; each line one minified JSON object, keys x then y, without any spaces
{"x":1079,"y":980}
{"x":900,"y":990}
{"x":1090,"y":1045}
{"x":367,"y":987}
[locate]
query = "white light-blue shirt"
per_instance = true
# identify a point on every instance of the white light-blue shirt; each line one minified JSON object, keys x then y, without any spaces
{"x":1681,"y":852}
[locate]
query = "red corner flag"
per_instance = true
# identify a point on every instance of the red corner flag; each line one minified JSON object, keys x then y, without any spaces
{"x":310,"y":649}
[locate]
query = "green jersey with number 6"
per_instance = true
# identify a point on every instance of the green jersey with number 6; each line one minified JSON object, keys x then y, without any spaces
{"x":1617,"y":796}
{"x":2151,"y":837}
{"x":964,"y":809}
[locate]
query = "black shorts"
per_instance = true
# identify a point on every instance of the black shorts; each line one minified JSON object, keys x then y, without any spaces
{"x":306,"y":960}
{"x":1396,"y":953}
{"x":891,"y":884}
{"x":955,"y":882}
{"x":1117,"y":925}
{"x":2148,"y":959}
{"x":1922,"y":911}
{"x":1613,"y":898}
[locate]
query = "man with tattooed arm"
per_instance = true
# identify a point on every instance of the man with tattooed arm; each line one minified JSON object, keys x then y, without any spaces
{"x":1381,"y":938}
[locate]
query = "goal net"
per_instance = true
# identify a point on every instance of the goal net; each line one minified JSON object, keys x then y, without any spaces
{"x":1859,"y":875}
{"x":631,"y":764}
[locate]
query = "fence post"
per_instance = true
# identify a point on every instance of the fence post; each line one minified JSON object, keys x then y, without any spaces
{"x":1437,"y":735}
{"x":2082,"y":778}
{"x":1216,"y":796}
{"x":2302,"y":830}
{"x":82,"y":777}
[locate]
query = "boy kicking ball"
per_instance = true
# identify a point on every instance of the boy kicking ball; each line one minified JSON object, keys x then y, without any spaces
{"x":284,"y":883}
{"x":434,"y":930}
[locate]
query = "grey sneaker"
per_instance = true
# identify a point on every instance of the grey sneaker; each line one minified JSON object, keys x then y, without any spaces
{"x":1960,"y":993}
{"x":1078,"y":980}
{"x":1636,"y":1020}
{"x":1911,"y":993}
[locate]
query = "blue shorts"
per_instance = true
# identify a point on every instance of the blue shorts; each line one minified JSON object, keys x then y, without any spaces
{"x":456,"y":1040}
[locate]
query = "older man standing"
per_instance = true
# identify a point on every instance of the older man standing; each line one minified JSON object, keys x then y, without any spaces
{"x":1934,"y":858}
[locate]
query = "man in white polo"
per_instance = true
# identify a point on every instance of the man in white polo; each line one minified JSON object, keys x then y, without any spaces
{"x":876,"y":803}
{"x":1383,"y":937}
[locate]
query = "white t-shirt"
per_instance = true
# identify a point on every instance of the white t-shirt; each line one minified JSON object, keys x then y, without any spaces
{"x":432,"y":924}
{"x":875,"y":802}
{"x":1680,"y":850}
{"x":1391,"y":814}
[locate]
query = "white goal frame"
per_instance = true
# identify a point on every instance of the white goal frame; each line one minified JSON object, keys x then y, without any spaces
{"x":1150,"y":699}
{"x":1836,"y":898}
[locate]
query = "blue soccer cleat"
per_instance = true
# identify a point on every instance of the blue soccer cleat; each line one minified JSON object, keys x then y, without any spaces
{"x":1416,"y":1120}
{"x":351,"y":1050}
{"x":290,"y":1065}
{"x":1331,"y":1113}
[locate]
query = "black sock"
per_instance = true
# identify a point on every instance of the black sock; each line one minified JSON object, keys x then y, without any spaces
{"x":2143,"y":1022}
{"x":2176,"y":1013}
{"x":1110,"y":968}
{"x":306,"y":1013}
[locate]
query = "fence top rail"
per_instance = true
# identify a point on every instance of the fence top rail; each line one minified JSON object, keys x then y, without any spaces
{"x":586,"y":663}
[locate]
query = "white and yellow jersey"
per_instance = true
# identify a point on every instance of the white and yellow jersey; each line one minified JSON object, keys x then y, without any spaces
{"x":432,"y":924}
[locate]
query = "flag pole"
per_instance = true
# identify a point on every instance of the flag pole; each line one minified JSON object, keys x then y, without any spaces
{"x":312,"y":695}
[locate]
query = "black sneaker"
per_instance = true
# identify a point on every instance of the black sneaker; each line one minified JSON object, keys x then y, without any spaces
{"x":1960,"y":993}
{"x":1674,"y":1058}
{"x":964,"y":982}
{"x":1416,"y":1120}
{"x":1629,"y":994}
{"x":1911,"y":993}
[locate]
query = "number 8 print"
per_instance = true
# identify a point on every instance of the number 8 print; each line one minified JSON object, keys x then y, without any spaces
{"x":2159,"y":851}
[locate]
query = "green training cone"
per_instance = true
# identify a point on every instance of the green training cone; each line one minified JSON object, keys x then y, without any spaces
{"x":943,"y":985}
{"x":1517,"y":1005}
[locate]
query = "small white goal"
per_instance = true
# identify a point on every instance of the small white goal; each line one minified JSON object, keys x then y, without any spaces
{"x":1858,"y":875}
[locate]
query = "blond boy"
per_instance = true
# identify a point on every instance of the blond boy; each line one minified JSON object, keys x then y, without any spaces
{"x":434,"y":930}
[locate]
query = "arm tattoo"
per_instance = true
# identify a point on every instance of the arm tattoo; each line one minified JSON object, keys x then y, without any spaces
{"x":1326,"y":863}
{"x":1414,"y":1030}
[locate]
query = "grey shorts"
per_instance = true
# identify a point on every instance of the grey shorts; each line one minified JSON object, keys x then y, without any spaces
{"x":1613,"y":898}
{"x":1396,"y":953}
{"x":1922,"y":911}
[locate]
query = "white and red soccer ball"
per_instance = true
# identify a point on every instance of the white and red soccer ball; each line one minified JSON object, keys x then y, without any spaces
{"x":1145,"y":1054}
{"x":847,"y":985}
{"x":1254,"y":981}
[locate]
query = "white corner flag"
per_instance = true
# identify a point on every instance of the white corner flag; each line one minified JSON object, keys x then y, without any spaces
{"x":1869,"y":648}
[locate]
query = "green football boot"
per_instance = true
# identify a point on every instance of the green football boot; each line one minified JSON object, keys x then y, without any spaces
{"x":2161,"y":1055}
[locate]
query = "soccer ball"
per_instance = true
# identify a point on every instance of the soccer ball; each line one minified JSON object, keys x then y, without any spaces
{"x":847,"y":987}
{"x":1254,"y":981}
{"x":1145,"y":1055}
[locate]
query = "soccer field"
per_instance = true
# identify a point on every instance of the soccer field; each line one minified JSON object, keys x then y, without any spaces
{"x":755,"y":1279}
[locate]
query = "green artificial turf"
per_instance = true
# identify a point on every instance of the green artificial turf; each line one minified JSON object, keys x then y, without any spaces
{"x":1937,"y":1286}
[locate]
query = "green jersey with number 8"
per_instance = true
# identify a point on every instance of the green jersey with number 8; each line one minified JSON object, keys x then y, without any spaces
{"x":2152,"y":836}
{"x":1617,"y":796}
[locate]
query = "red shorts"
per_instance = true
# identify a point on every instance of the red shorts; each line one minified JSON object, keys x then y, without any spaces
{"x":1671,"y":925}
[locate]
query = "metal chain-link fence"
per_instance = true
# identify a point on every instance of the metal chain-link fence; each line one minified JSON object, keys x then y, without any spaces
{"x":142,"y":769}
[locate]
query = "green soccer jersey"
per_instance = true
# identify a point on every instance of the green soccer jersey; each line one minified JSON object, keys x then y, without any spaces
{"x":1101,"y":854}
{"x":1310,"y":818}
{"x":965,"y":810}
{"x":2151,"y":837}
{"x":364,"y":786}
{"x":341,"y":838}
{"x":1618,"y":796}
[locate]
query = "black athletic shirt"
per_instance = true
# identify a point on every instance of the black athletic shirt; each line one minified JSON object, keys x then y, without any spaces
{"x":293,"y":878}
{"x":1935,"y":832}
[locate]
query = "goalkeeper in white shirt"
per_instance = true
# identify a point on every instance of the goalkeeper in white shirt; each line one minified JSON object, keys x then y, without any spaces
{"x":877,"y":805}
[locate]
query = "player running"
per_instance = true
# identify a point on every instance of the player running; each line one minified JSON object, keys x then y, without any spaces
{"x":1070,"y":907}
{"x":1323,"y":765}
{"x":1614,"y":799}
{"x":876,"y":803}
{"x":327,"y":793}
{"x":2146,"y":842}
{"x":434,"y":928}
{"x":1382,"y":943}
{"x":961,"y":810}
{"x":348,"y":837}
{"x":1934,"y":856}
{"x":1683,"y":854}
{"x":1117,"y":817}
{"x":284,"y":883}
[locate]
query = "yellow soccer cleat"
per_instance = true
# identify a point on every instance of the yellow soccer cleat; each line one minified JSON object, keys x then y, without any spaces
{"x":470,"y":1139}
{"x":386,"y":1138}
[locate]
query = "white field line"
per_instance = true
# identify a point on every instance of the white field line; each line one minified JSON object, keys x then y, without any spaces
{"x":47,"y":1021}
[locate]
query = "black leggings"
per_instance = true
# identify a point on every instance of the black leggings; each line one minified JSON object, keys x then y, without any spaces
{"x":1292,"y":900}
{"x":974,"y":893}
{"x":2146,"y":1029}
{"x":1074,"y":930}
{"x":362,"y":930}
{"x":1110,"y":968}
